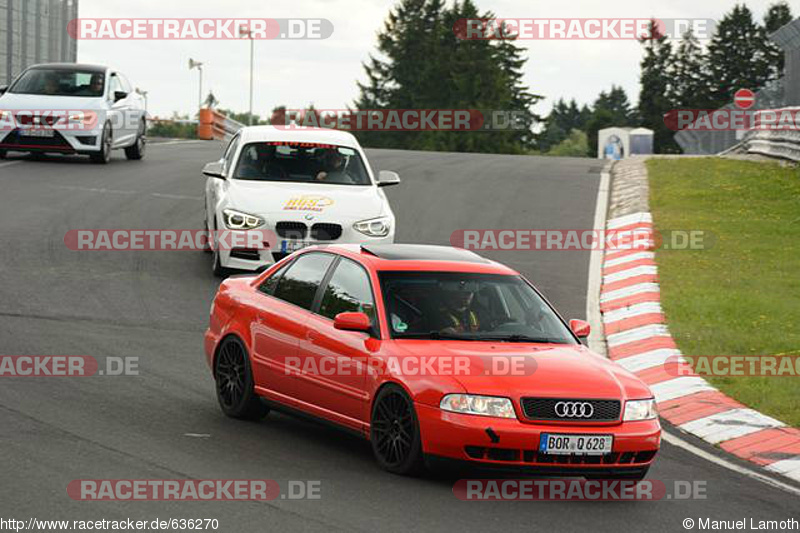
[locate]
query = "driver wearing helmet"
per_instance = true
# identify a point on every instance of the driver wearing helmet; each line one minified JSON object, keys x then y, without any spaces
{"x":459,"y":313}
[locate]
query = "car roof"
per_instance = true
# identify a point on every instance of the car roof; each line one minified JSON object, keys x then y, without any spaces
{"x":69,"y":66}
{"x":418,"y":257}
{"x":298,"y":134}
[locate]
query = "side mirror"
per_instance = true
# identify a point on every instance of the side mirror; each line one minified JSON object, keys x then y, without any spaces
{"x":387,"y":178}
{"x":580,"y":328}
{"x":352,"y":322}
{"x":3,"y":89}
{"x":214,"y":170}
{"x":120,"y":95}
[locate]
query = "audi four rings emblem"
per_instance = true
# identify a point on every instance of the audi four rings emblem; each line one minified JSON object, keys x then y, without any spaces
{"x":574,"y":409}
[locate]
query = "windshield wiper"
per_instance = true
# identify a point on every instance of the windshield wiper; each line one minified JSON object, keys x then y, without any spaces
{"x":517,"y":337}
{"x":438,"y":335}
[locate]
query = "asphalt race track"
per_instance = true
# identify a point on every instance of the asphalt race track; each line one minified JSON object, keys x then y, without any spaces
{"x":165,"y":423}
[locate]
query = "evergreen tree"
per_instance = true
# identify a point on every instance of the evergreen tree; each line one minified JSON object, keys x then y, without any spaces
{"x":736,"y":57}
{"x":655,"y":88}
{"x":422,"y":64}
{"x":688,"y":89}
{"x":778,"y":15}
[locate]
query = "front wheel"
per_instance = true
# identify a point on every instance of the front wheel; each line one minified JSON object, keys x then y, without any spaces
{"x":394,"y":432}
{"x":103,"y":156}
{"x":136,"y":152}
{"x":234,"y":378}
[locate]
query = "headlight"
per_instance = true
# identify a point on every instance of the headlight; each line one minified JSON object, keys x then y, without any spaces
{"x":374,"y":227}
{"x":238,"y":220}
{"x":640,"y":410}
{"x":478,"y":405}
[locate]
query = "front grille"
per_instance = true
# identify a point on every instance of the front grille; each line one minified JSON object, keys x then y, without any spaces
{"x":545,"y":409}
{"x":326,"y":232}
{"x":26,"y":119}
{"x":291,"y":230}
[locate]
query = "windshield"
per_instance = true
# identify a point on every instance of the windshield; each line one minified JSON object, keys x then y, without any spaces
{"x":60,"y":82}
{"x":446,"y":305}
{"x":301,"y":162}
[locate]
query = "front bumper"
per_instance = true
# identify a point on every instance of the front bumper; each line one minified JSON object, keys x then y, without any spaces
{"x":251,"y":259}
{"x":515,"y":445}
{"x":63,"y":141}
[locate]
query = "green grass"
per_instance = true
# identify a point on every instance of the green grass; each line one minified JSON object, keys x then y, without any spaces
{"x":741,"y":296}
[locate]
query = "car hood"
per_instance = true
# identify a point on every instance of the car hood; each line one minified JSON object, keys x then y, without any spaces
{"x":550,"y":370}
{"x":333,"y":202}
{"x":35,"y":102}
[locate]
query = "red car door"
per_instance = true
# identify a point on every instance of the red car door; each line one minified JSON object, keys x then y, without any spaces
{"x":280,"y":321}
{"x":335,"y":361}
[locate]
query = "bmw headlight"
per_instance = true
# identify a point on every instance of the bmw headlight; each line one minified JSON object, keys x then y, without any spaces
{"x":478,"y":405}
{"x":374,"y":227}
{"x":237,"y":220}
{"x":640,"y":410}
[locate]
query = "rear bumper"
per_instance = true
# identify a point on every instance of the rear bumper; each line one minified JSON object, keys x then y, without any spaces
{"x":515,"y":445}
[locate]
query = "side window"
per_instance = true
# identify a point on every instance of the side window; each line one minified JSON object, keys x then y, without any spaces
{"x":300,"y":282}
{"x":269,"y":285}
{"x":229,"y":153}
{"x":348,"y":290}
{"x":116,"y":85}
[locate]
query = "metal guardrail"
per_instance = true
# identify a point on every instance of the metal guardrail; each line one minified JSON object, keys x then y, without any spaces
{"x":216,"y":126}
{"x":782,"y":144}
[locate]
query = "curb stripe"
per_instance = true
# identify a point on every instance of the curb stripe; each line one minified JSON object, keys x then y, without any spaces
{"x":730,"y":424}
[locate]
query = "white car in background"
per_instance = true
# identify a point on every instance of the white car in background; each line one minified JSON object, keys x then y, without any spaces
{"x":69,"y":108}
{"x":302,"y":186}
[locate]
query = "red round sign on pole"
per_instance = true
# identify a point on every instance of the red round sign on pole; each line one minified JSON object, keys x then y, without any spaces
{"x":744,"y":98}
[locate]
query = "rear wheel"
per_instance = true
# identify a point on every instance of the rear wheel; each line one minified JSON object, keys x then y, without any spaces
{"x":104,"y":154}
{"x":136,"y":152}
{"x":3,"y":154}
{"x":394,"y":432}
{"x":235,"y":387}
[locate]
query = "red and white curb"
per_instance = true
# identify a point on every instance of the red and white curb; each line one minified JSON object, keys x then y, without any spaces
{"x":638,"y":339}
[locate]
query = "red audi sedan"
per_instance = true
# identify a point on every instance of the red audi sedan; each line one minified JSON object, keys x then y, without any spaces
{"x":432,"y":353}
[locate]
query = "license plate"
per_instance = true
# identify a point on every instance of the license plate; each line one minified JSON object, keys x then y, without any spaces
{"x":560,"y":444}
{"x":288,"y":247}
{"x":39,"y":132}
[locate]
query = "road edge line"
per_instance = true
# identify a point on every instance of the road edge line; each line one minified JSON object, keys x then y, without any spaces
{"x":596,"y":340}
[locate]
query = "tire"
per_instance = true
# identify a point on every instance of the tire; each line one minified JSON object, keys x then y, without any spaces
{"x":216,"y":261}
{"x":234,"y":382}
{"x":207,"y":247}
{"x":394,"y":432}
{"x":136,"y":152}
{"x":3,"y":154}
{"x":104,"y":155}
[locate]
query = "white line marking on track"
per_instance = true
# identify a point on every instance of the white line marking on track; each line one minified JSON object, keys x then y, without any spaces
{"x":629,"y":259}
{"x":730,"y":424}
{"x":179,"y":141}
{"x":630,"y":272}
{"x":627,"y":220}
{"x":651,"y":359}
{"x":719,"y":461}
{"x":637,"y":334}
{"x":595,"y":340}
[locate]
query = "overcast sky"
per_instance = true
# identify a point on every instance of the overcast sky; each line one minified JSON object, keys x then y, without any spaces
{"x":324,"y":72}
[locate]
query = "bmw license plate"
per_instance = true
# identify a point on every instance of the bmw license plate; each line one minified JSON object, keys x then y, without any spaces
{"x":555,"y":443}
{"x":37,"y":132}
{"x":288,"y":246}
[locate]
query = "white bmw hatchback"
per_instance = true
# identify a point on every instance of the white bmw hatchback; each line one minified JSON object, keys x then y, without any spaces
{"x":303,"y":186}
{"x":69,"y":108}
